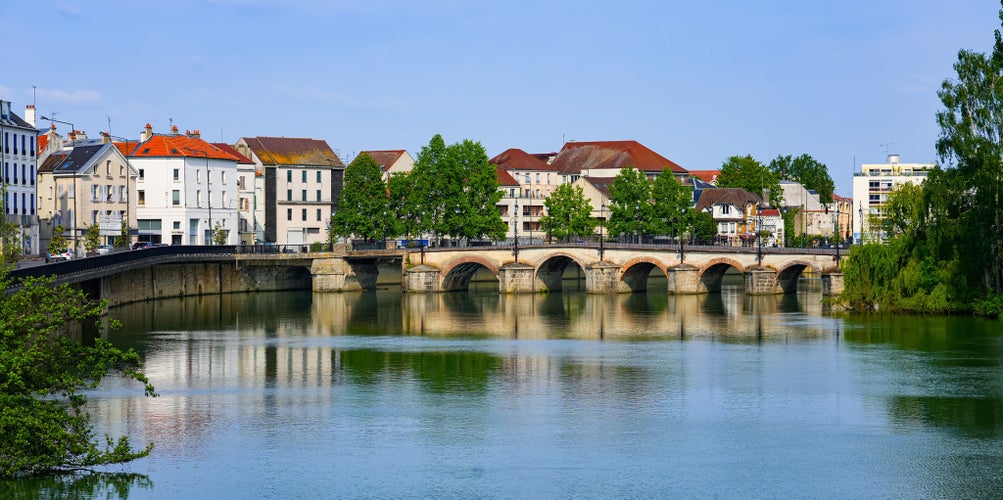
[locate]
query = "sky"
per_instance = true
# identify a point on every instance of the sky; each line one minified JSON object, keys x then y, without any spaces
{"x":845,"y":81}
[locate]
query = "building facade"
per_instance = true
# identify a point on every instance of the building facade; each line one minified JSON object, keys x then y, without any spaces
{"x":19,"y":160}
{"x":871,"y":187}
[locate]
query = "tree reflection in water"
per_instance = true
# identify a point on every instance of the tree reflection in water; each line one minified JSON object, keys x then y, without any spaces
{"x":78,"y":485}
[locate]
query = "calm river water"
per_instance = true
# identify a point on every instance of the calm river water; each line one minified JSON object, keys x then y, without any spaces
{"x":567,"y":395}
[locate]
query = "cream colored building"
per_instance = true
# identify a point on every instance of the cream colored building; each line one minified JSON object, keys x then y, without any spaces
{"x":871,"y":187}
{"x":87,"y":185}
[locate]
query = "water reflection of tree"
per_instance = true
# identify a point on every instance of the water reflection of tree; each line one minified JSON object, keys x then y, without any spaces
{"x":75,"y":486}
{"x":439,"y":372}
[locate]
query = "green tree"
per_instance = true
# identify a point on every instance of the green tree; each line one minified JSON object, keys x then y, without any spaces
{"x":903,"y":210}
{"x":702,"y":226}
{"x":670,"y":205}
{"x":971,"y":138}
{"x":404,"y":206}
{"x":122,"y":240}
{"x":92,"y":239}
{"x":219,"y":234}
{"x":806,"y":171}
{"x":747,"y":173}
{"x":364,"y":201}
{"x":10,"y":238}
{"x":569,"y":213}
{"x":58,"y":242}
{"x":43,"y":422}
{"x":629,"y":204}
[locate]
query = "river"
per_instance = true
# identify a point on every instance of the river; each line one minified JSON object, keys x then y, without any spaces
{"x":566,"y":395}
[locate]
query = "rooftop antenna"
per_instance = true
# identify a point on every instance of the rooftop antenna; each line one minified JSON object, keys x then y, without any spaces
{"x":109,"y":125}
{"x":885,"y":145}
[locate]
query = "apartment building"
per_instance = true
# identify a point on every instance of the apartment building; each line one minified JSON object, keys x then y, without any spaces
{"x":871,"y":187}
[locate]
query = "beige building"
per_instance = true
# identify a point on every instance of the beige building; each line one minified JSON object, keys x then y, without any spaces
{"x":391,"y":161}
{"x":871,"y":187}
{"x":303,"y":179}
{"x":87,"y":185}
{"x":536,"y":181}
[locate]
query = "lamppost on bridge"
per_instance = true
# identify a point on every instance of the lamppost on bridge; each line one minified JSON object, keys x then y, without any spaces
{"x":515,"y":226}
{"x":860,"y":219}
{"x":602,"y":227}
{"x":73,"y":142}
{"x":759,"y":236}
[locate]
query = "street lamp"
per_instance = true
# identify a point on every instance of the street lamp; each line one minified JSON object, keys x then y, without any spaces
{"x":860,"y":217}
{"x":759,"y":235}
{"x":73,"y":142}
{"x":515,"y":227}
{"x":602,"y":219}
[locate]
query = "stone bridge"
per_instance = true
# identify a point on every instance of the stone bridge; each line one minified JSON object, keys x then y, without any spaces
{"x":622,"y":269}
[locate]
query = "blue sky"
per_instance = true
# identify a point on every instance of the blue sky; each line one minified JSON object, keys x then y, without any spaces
{"x":696,"y":81}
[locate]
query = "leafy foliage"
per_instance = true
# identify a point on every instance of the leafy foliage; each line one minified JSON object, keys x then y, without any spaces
{"x":703,"y":226}
{"x":92,"y":238}
{"x":670,"y":205}
{"x":122,"y":240}
{"x":569,"y":213}
{"x":58,"y":241}
{"x":806,"y":171}
{"x":747,"y":173}
{"x":364,"y":203}
{"x":42,"y":370}
{"x":629,"y":204}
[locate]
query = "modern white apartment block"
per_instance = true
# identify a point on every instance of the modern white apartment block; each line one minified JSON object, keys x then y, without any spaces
{"x":870,"y":192}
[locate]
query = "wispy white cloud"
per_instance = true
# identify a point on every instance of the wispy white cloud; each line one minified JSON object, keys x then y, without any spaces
{"x":68,"y":9}
{"x":71,"y":97}
{"x":316,"y":95}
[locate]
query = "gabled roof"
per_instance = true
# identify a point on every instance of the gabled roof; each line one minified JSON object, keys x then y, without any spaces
{"x":241,"y":159}
{"x":293,"y":151}
{"x":708,"y":176}
{"x":385,"y":158}
{"x":600,"y":183}
{"x":506,"y":179}
{"x":179,"y":146}
{"x":79,"y":158}
{"x":51,"y":161}
{"x":726,"y":196}
{"x":43,"y":140}
{"x":517,"y":159}
{"x":576,"y":156}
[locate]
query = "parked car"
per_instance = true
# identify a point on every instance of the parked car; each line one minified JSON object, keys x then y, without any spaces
{"x":105,"y":249}
{"x":58,"y":256}
{"x":139,"y":245}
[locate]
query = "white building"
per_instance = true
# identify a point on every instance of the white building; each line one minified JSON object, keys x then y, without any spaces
{"x":870,"y":192}
{"x":18,"y":156}
{"x":250,"y":198}
{"x":185,"y":189}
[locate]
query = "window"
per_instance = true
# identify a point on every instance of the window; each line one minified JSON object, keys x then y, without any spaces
{"x":142,"y":172}
{"x":319,"y":216}
{"x":177,"y":174}
{"x":303,"y":194}
{"x":198,"y":177}
{"x":304,"y":214}
{"x":538,"y":177}
{"x":94,"y":216}
{"x":222,"y":177}
{"x":240,"y":182}
{"x":319,"y":176}
{"x":198,"y":198}
{"x":289,"y":195}
{"x":304,"y":176}
{"x":176,"y":197}
{"x":176,"y":225}
{"x":318,"y":195}
{"x":289,"y":175}
{"x":289,"y":214}
{"x":725,"y":209}
{"x":142,"y":197}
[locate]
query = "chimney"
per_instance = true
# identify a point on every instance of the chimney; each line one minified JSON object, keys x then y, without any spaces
{"x":29,"y":114}
{"x":893,"y":158}
{"x":105,"y":137}
{"x":174,"y":130}
{"x":146,"y":134}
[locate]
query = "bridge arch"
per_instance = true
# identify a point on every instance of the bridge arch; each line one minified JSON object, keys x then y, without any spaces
{"x":550,"y":272}
{"x":456,"y":274}
{"x":634,"y":273}
{"x":787,"y":276}
{"x":712,"y":273}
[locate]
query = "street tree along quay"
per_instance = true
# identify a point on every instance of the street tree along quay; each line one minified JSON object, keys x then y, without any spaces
{"x":806,"y":171}
{"x":569,"y":214}
{"x":670,"y":205}
{"x":947,"y":254}
{"x":629,"y":204}
{"x":43,"y":425}
{"x":362,"y":209}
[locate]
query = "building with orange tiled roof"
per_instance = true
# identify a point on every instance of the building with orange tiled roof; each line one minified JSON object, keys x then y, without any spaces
{"x":391,"y":161}
{"x":303,"y":179}
{"x":607,"y":158}
{"x":537,"y":180}
{"x":186,"y":189}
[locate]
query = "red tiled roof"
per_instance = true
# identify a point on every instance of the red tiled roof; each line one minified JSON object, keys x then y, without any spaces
{"x":179,"y":146}
{"x":43,"y":140}
{"x":293,"y":151}
{"x":576,"y":156}
{"x":506,"y":179}
{"x":52,"y":161}
{"x":229,"y":149}
{"x":517,"y":159}
{"x":770,"y":212}
{"x":385,"y":158}
{"x":601,"y":184}
{"x":708,"y":176}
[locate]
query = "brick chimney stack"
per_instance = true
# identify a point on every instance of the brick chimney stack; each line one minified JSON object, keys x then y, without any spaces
{"x":146,"y":134}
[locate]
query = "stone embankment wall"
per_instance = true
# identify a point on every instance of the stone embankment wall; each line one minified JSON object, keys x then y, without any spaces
{"x":203,"y":278}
